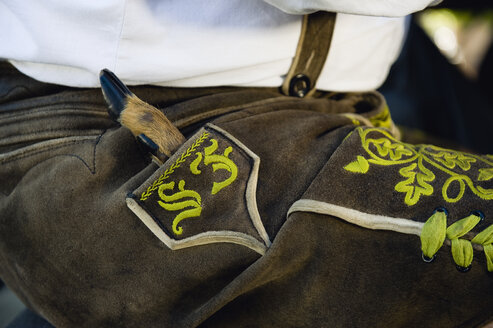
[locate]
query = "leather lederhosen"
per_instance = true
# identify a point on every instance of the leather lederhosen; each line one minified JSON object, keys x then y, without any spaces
{"x":299,"y":209}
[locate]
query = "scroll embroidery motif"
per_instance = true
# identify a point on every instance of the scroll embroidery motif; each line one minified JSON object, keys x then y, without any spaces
{"x":192,"y":202}
{"x":219,"y":162}
{"x":419,"y":164}
{"x":188,"y":202}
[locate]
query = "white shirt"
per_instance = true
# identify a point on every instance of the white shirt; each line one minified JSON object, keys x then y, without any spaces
{"x":187,"y":43}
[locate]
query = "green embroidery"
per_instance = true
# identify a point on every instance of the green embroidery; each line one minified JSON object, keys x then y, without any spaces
{"x":419,"y":162}
{"x":189,"y":202}
{"x":416,"y":183}
{"x":359,"y":166}
{"x":382,"y":119}
{"x":462,"y":249}
{"x":386,"y":148}
{"x":485,"y":174}
{"x":452,"y":159}
{"x":485,"y":238}
{"x":194,"y":166}
{"x":434,"y":232}
{"x":355,"y":121}
{"x":173,"y":167}
{"x":219,"y":162}
{"x":169,"y":203}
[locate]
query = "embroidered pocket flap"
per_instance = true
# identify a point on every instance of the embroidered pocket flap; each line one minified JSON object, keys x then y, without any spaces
{"x":205,"y":193}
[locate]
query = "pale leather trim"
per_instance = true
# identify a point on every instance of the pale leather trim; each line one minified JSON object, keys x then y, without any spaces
{"x":251,"y":191}
{"x":217,"y":236}
{"x":205,"y":238}
{"x":365,"y":220}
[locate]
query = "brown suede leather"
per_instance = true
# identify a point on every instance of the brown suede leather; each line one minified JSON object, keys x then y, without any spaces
{"x":74,"y":252}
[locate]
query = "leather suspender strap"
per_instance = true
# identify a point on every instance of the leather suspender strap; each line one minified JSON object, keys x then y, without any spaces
{"x":311,"y":54}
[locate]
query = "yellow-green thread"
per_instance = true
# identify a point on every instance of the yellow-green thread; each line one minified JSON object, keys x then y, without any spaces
{"x":155,"y":185}
{"x":421,"y":161}
{"x":222,"y":162}
{"x":382,"y":119}
{"x":416,"y":183}
{"x":462,"y":252}
{"x":462,"y":249}
{"x":488,"y":252}
{"x":434,"y":233}
{"x":360,"y":165}
{"x":355,"y":122}
{"x":485,"y":238}
{"x":485,"y":174}
{"x":461,"y":227}
{"x":194,"y":166}
{"x":219,"y":162}
{"x":169,"y":203}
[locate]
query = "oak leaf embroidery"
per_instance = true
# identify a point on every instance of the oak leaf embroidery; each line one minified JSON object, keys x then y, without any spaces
{"x":393,"y":150}
{"x":416,"y":183}
{"x":420,"y":164}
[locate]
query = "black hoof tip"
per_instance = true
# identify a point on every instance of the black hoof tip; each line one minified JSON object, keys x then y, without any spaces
{"x":115,"y":93}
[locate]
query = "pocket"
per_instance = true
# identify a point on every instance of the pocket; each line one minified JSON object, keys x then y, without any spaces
{"x":39,"y":120}
{"x":72,"y":250}
{"x":205,"y":193}
{"x":61,"y":126}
